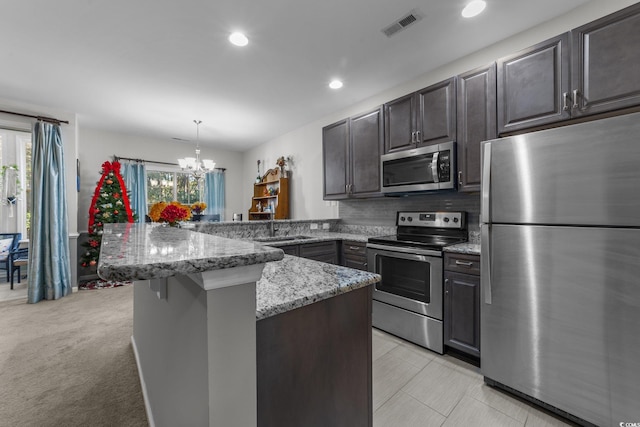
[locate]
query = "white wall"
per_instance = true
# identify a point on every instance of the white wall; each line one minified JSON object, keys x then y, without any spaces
{"x":98,"y":146}
{"x":305,"y":143}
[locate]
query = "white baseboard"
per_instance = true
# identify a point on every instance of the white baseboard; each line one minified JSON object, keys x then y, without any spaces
{"x":143,"y":385}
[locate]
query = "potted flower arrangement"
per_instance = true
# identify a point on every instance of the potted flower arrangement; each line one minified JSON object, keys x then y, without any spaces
{"x":170,"y":213}
{"x":197,"y":209}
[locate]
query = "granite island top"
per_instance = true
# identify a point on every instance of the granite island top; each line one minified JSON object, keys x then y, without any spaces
{"x":152,"y":251}
{"x":295,"y":282}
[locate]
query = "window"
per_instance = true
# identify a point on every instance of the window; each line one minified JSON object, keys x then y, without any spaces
{"x":15,"y":149}
{"x":167,"y":186}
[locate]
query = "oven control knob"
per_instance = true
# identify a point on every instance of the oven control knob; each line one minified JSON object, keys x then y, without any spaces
{"x":409,"y":219}
{"x":402,"y":219}
{"x":446,"y":219}
{"x":455,"y":219}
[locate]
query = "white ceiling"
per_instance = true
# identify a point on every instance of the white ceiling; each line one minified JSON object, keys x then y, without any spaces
{"x":150,"y":67}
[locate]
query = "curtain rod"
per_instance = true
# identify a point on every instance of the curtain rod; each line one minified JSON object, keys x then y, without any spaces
{"x":44,"y":119}
{"x":116,"y":158}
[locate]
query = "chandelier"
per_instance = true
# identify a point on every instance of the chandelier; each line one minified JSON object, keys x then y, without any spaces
{"x":198,"y":168}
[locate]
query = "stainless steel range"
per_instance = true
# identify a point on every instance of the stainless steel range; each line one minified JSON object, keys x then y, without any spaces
{"x":408,"y":301}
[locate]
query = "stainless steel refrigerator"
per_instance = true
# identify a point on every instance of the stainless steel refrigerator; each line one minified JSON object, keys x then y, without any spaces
{"x":560,"y":226}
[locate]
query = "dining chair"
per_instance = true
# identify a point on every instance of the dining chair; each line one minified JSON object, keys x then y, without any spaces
{"x":9,"y":242}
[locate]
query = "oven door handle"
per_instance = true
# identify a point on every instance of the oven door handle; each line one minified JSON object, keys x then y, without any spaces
{"x":403,"y":252}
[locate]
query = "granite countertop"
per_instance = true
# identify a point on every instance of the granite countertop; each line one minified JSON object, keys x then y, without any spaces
{"x":464,"y":248}
{"x":295,"y":282}
{"x":151,"y":251}
{"x":313,"y":237}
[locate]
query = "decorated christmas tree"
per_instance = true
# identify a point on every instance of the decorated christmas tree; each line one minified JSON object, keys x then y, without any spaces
{"x":110,"y":204}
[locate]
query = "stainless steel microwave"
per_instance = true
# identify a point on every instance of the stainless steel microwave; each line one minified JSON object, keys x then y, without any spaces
{"x":420,"y":169}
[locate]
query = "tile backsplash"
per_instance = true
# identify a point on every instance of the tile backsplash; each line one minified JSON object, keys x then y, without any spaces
{"x":382,"y":211}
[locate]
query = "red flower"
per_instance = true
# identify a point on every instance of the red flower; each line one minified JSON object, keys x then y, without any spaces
{"x":116,"y":195}
{"x":173,"y":213}
{"x":115,"y":212}
{"x":94,"y":243}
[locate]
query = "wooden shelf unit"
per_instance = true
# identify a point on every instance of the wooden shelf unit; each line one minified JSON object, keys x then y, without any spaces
{"x":280,"y":200}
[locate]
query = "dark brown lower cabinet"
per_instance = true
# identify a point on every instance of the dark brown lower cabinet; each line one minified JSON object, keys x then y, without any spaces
{"x":314,"y":364}
{"x":291,"y":249}
{"x":354,"y":255}
{"x":320,"y":251}
{"x":462,"y":304}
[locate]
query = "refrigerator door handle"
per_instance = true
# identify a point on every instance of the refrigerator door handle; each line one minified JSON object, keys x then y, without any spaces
{"x":485,"y":209}
{"x":485,"y":251}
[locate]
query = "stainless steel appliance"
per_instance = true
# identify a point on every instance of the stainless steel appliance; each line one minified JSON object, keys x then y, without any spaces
{"x":560,"y":313}
{"x":408,"y":300}
{"x":420,"y":169}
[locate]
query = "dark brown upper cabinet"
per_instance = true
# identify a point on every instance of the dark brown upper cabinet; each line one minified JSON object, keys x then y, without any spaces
{"x":425,"y":117}
{"x":335,"y":160}
{"x":605,"y":67}
{"x":533,"y":85}
{"x":351,"y":151}
{"x":367,"y":134}
{"x":476,"y":120}
{"x":590,"y":70}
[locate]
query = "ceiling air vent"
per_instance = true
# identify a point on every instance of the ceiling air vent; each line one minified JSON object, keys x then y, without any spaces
{"x":402,"y":23}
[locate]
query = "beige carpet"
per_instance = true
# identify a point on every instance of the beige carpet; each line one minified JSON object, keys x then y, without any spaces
{"x":69,"y":362}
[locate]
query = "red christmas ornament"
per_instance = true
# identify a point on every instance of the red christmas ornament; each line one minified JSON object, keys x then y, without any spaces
{"x":109,"y":181}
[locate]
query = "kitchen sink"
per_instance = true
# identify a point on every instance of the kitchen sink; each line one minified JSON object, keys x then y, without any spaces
{"x":275,"y":239}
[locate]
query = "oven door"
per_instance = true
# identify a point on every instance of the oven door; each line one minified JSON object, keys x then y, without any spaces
{"x":411,"y":278}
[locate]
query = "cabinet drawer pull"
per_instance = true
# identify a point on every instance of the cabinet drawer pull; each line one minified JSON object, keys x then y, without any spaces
{"x":464,"y":263}
{"x":355,"y":248}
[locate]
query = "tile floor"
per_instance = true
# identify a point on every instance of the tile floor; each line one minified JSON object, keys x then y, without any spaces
{"x":413,"y":386}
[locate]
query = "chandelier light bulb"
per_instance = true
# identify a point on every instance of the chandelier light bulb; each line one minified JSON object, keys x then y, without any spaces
{"x":197,"y":167}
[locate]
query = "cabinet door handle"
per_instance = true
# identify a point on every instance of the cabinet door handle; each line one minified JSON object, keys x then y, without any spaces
{"x":460,"y":177}
{"x":413,"y":137}
{"x":575,"y":99}
{"x":446,"y":286}
{"x":464,"y":263}
{"x":565,"y":101}
{"x":418,"y":137}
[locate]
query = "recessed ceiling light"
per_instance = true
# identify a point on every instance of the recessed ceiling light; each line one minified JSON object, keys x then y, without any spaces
{"x":335,"y":84}
{"x":238,"y":39}
{"x":473,"y":8}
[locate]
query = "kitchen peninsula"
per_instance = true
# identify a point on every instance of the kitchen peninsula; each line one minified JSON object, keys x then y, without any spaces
{"x":214,"y":348}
